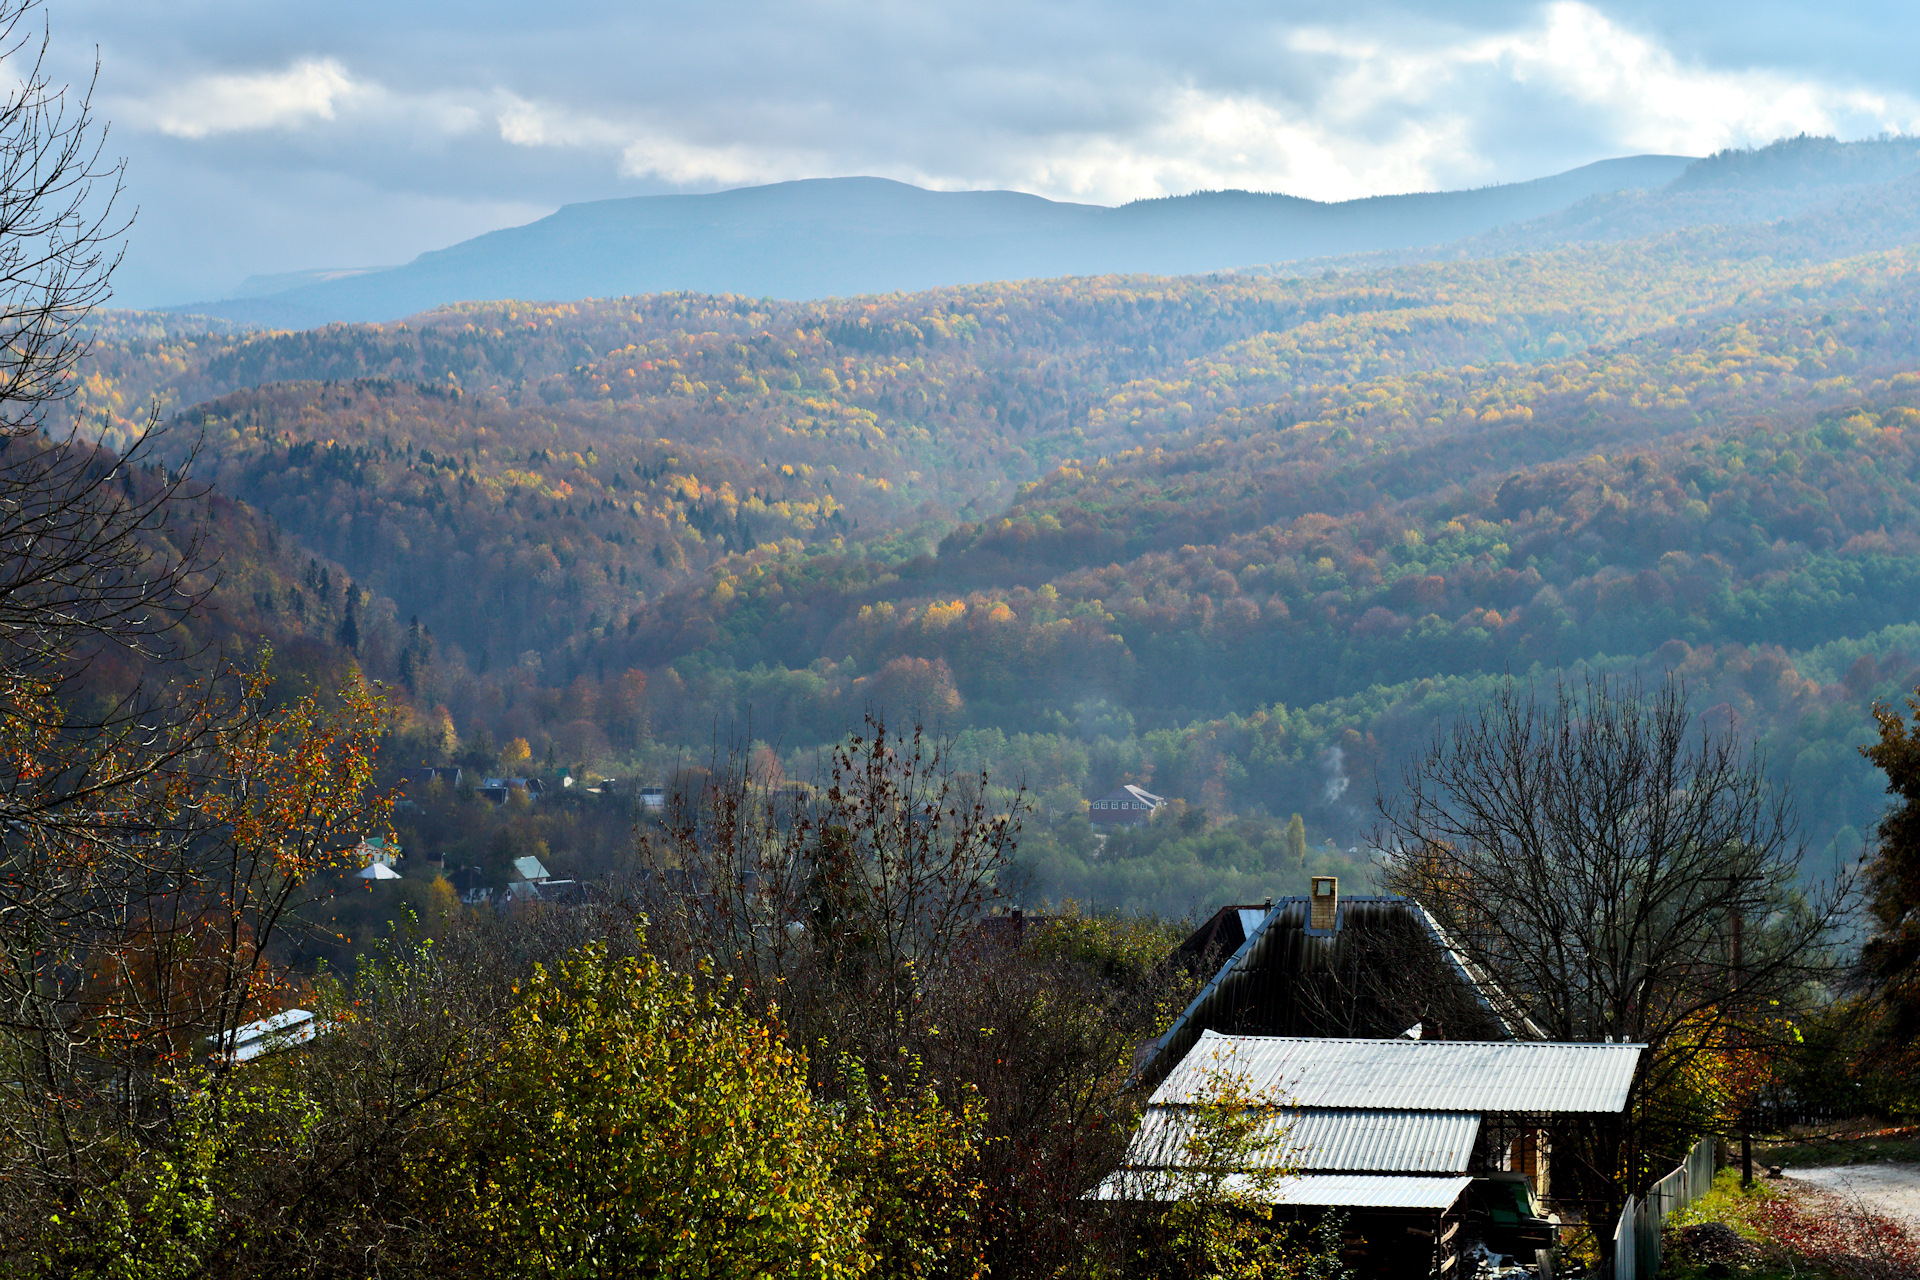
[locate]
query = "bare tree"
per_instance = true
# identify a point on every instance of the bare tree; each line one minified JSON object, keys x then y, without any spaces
{"x":143,"y":863}
{"x":841,"y":899}
{"x":59,"y":227}
{"x":861,"y":905}
{"x":1626,"y":875}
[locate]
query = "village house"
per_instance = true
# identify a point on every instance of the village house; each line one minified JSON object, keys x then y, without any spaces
{"x":1430,"y":1148}
{"x":1127,"y":806}
{"x":1401,"y":1086}
{"x":376,"y":857}
{"x":271,"y":1034}
{"x":471,"y":884}
{"x":499,"y":790}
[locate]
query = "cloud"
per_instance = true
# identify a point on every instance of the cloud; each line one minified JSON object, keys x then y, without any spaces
{"x":642,"y":149}
{"x":1386,"y":116}
{"x":306,"y":91}
{"x":1202,"y":142}
{"x":1643,"y":96}
{"x":538,"y":124}
{"x":1348,"y":112}
{"x":311,"y":93}
{"x":403,"y":109}
{"x":684,"y":163}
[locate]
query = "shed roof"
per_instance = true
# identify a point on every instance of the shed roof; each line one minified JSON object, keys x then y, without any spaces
{"x":251,"y":1040}
{"x":1131,"y":792}
{"x":1420,"y":1075}
{"x":1325,"y":1141}
{"x":1342,"y":1190}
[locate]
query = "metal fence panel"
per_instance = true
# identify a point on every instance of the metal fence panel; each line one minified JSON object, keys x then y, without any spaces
{"x":1636,"y":1240}
{"x":1648,"y":1228}
{"x":1625,"y":1255}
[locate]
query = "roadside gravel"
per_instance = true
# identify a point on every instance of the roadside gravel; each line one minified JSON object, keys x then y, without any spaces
{"x":1890,"y":1189}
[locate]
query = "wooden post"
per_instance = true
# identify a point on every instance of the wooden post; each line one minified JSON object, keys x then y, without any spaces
{"x":1733,"y":883}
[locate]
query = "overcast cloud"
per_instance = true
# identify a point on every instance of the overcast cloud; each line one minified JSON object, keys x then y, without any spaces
{"x":266,"y":138}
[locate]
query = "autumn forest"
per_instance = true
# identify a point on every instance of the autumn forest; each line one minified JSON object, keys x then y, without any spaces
{"x":1244,"y":540}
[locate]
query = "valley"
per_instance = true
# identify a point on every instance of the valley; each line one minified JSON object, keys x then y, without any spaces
{"x":1244,"y":538}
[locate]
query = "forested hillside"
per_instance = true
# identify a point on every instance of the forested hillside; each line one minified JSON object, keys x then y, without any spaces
{"x":1245,"y":540}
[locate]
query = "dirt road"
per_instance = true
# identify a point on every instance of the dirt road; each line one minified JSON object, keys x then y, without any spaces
{"x":1891,"y":1189}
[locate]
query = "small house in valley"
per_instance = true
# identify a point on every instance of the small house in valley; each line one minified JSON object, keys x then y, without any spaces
{"x":1127,"y":806}
{"x":1392,"y":1081}
{"x":500,"y":790}
{"x":375,"y":857}
{"x":472,"y":885}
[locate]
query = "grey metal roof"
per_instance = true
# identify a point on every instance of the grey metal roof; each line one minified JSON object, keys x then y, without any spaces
{"x":1131,"y":792}
{"x":1343,"y":1190}
{"x":1411,"y":1075}
{"x":1323,"y":1141}
{"x":282,"y":1030}
{"x":1250,"y":918}
{"x":1383,"y":1141}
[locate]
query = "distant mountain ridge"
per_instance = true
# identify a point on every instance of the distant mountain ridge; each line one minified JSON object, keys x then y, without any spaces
{"x":828,"y":237}
{"x":1859,"y":196}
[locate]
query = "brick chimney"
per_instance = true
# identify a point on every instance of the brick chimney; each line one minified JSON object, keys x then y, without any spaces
{"x":1326,"y":904}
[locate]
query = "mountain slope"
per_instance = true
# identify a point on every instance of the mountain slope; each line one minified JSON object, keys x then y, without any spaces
{"x":1245,"y":540}
{"x":835,"y":237}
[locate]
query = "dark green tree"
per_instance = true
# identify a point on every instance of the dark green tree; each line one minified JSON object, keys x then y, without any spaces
{"x":349,"y":634}
{"x":1890,"y":960}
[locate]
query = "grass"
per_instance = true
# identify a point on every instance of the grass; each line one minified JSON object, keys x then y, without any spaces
{"x":1792,"y":1234}
{"x":1727,"y":1201}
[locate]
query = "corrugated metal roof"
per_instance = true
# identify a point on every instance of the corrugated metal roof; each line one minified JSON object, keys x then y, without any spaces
{"x":282,"y":1030}
{"x":1383,"y":1141}
{"x":1342,"y":1190}
{"x":1411,"y":1075}
{"x":1365,"y":1141}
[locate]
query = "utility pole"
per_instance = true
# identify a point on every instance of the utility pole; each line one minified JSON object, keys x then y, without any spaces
{"x":1733,"y":883}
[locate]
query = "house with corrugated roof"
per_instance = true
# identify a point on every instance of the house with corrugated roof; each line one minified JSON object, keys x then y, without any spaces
{"x":284,"y":1030}
{"x":500,"y":790}
{"x":1416,"y":1141}
{"x":375,"y":857}
{"x":1290,"y":980}
{"x":1127,"y":806}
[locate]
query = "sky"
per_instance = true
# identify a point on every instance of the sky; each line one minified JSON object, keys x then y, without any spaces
{"x":272,"y":137}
